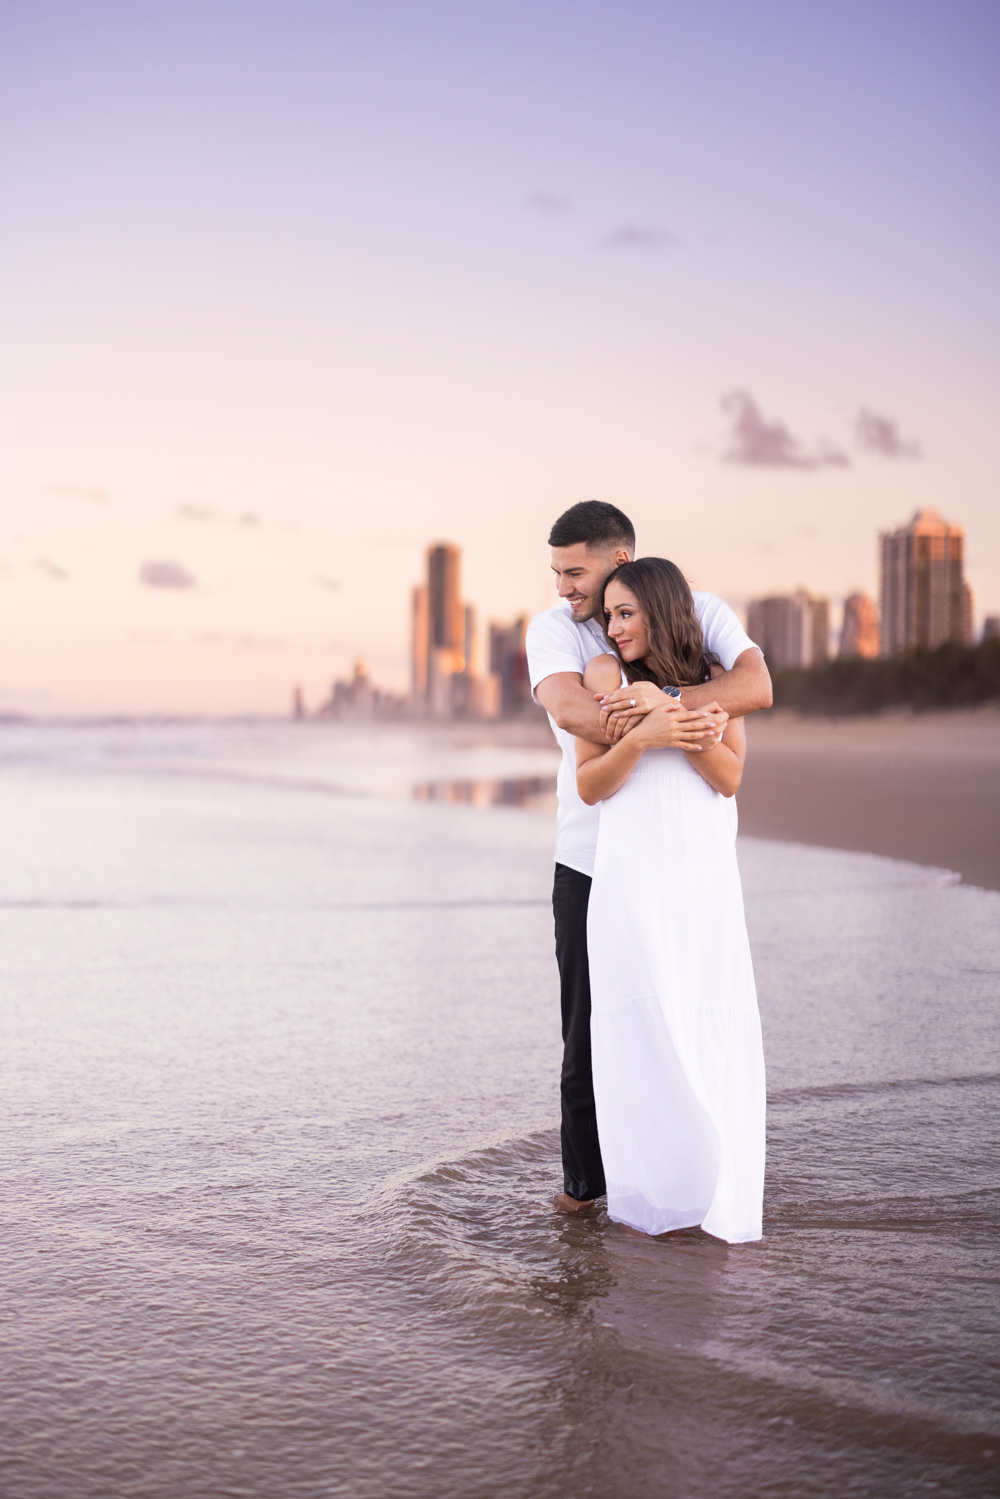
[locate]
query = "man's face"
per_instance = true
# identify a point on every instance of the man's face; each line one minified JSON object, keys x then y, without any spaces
{"x":580,"y":575}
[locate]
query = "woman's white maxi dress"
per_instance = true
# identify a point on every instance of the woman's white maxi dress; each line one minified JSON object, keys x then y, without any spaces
{"x":677,"y":1055}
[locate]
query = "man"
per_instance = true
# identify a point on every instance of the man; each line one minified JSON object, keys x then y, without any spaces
{"x":588,"y":543}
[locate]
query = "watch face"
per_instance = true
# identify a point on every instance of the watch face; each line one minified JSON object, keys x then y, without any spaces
{"x":672,"y":691}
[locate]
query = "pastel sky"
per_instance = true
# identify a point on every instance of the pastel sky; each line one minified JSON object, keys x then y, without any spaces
{"x":291,"y":289}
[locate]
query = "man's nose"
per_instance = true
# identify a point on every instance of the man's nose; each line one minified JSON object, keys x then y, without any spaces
{"x":565,"y":587}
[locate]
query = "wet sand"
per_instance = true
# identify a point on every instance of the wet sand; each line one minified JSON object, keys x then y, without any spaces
{"x":924,"y":787}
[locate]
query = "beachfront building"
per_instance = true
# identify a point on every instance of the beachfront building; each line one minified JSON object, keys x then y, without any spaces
{"x":446,"y":678}
{"x":793,"y":630}
{"x":509,"y":665}
{"x":358,"y":700}
{"x":859,"y":633}
{"x":438,"y":633}
{"x":925,"y":600}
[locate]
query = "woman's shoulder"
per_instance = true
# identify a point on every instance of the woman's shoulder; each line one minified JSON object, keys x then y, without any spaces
{"x":603,"y":673}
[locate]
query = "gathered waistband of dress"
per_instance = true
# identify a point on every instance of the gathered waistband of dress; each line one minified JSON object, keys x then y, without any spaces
{"x":663,"y":762}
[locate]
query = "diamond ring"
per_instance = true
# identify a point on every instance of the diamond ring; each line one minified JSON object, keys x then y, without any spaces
{"x":631,"y":702}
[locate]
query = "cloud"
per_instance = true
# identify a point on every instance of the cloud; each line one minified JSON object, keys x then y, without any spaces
{"x":880,"y":434}
{"x":230,"y":640}
{"x":549,"y":202}
{"x":638,"y":237}
{"x":51,"y":569}
{"x":323,"y":582}
{"x":206,"y":513}
{"x":87,"y":492}
{"x":759,"y":443}
{"x":165,"y":575}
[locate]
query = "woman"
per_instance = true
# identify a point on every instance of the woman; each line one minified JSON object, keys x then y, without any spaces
{"x":678,"y":1062}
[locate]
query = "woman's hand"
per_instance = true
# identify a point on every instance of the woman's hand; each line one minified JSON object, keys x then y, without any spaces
{"x":670,"y":726}
{"x":618,"y":715}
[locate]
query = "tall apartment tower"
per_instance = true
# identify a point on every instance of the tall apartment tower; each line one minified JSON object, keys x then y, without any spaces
{"x":925,"y":599}
{"x":859,"y":633}
{"x":446,"y":612}
{"x":420,"y":645}
{"x":792,"y":630}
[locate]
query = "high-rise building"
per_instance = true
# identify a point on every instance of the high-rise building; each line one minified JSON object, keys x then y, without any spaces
{"x":925,"y":599}
{"x":446,"y":612}
{"x":446,"y":671}
{"x":792,"y":630}
{"x":859,"y":634}
{"x":420,"y":645}
{"x":509,"y":664}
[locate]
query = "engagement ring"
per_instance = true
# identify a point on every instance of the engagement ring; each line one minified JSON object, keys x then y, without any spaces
{"x":631,"y":702}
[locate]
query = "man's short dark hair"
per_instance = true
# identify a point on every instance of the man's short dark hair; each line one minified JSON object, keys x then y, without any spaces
{"x":601,"y":526}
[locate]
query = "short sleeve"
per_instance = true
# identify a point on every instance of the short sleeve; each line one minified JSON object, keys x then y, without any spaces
{"x":724,"y":636}
{"x":553,"y":644}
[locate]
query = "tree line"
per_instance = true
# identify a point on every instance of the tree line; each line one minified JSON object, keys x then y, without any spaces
{"x":953,"y":676}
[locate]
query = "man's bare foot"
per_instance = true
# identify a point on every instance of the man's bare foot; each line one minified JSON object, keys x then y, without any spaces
{"x":564,"y":1203}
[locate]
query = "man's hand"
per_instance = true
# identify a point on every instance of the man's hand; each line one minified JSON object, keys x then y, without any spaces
{"x":619,"y":704}
{"x":673,"y":727}
{"x":696,"y":728}
{"x":618,"y":716}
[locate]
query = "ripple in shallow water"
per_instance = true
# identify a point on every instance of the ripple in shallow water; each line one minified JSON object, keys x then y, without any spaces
{"x":281,"y":1070}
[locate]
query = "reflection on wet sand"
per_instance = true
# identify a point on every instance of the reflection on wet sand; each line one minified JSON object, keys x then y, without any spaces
{"x":534,"y":793}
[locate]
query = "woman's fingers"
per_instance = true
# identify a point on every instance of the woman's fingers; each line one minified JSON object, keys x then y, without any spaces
{"x":646,"y":696}
{"x":609,"y":719}
{"x":683,"y":729}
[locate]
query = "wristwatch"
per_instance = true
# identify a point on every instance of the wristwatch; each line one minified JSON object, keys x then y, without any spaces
{"x":671,"y":691}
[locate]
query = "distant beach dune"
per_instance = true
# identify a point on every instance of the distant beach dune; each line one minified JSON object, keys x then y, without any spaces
{"x":920,"y":786}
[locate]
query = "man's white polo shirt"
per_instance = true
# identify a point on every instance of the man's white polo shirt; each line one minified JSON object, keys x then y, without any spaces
{"x":556,"y":643}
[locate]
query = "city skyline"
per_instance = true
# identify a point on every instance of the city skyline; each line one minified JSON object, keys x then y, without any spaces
{"x":924,"y":602}
{"x":281,"y":308}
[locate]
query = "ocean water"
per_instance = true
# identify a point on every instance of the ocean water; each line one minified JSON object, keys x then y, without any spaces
{"x":280,"y":1049}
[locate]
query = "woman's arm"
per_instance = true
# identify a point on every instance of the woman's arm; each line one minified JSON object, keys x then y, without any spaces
{"x":722,"y":765}
{"x":601,"y":768}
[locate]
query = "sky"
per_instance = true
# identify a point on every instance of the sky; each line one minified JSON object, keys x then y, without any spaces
{"x":290,"y":290}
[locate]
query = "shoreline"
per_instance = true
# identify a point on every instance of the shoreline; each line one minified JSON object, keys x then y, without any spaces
{"x":924,"y":787}
{"x":918,"y":786}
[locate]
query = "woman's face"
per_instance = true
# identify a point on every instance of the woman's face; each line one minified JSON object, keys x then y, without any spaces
{"x":626,"y":625}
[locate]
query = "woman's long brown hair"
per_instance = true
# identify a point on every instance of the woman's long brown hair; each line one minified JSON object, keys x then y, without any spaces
{"x":676,"y":655}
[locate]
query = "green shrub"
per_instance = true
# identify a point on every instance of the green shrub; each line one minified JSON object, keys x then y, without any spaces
{"x":954,"y":676}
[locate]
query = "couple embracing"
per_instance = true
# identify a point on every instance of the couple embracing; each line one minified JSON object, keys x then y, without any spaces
{"x":646,"y":686}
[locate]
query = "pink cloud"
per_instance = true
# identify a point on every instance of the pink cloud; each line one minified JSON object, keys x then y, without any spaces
{"x":761,"y":443}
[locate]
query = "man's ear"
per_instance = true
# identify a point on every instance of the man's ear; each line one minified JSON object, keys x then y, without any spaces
{"x":621,"y":556}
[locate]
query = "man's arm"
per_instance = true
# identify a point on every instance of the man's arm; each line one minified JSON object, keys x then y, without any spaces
{"x":576,"y":710}
{"x":571,"y":705}
{"x":746,"y":688}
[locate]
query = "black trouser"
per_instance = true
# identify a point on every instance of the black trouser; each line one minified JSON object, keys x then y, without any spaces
{"x":583,"y":1171}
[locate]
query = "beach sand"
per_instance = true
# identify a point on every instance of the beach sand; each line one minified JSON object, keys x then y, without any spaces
{"x":922,"y":786}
